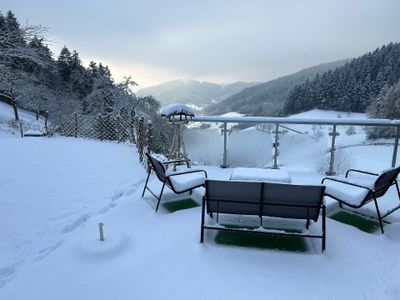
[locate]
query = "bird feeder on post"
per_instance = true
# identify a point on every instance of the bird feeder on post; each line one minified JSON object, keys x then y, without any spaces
{"x":178,"y":115}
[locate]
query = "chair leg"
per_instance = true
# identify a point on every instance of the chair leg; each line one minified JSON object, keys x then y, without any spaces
{"x":397,"y":188}
{"x":323,"y":228}
{"x":145,"y":185}
{"x":159,"y":198}
{"x":202,"y":221}
{"x":190,"y":192}
{"x":379,"y":214}
{"x":308,"y":224}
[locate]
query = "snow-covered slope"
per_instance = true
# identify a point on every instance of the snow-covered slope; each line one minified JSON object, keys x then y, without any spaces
{"x":10,"y":128}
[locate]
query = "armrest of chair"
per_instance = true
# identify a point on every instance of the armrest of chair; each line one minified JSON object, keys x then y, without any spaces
{"x":173,"y":161}
{"x":187,"y":172}
{"x":346,"y":182}
{"x":360,"y":171}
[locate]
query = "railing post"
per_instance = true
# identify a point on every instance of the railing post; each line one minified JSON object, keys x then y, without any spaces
{"x":396,"y":145}
{"x":225,"y":155}
{"x":276,"y":145}
{"x":332,"y":159}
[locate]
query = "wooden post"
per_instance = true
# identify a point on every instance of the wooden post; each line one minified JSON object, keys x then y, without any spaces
{"x":46,"y":120}
{"x":14,"y":105}
{"x":101,"y":231}
{"x":132,"y":127}
{"x":21,"y":129}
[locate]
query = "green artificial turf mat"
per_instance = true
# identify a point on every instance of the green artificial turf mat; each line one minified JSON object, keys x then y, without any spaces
{"x":174,"y":206}
{"x":357,"y":221}
{"x":263,"y":241}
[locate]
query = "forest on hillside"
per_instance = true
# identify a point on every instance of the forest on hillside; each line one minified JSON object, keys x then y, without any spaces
{"x":38,"y":81}
{"x":268,"y":98}
{"x":353,"y":87}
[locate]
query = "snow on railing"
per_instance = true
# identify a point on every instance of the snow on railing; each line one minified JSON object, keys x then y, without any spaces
{"x":280,"y":120}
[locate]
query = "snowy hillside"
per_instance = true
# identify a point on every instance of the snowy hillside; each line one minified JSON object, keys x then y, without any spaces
{"x":192,"y":91}
{"x":9,"y":127}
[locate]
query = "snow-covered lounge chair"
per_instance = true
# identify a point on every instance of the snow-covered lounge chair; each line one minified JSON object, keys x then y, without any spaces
{"x":178,"y":182}
{"x":264,"y":199}
{"x":358,"y":191}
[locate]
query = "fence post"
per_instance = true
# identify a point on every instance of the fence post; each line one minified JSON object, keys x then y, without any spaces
{"x":76,"y":124}
{"x":14,"y":105}
{"x":332,"y":158}
{"x":46,"y":120}
{"x":149,"y":140}
{"x":21,"y":128}
{"x":225,"y":154}
{"x":118,"y":128}
{"x":132,"y":126}
{"x":141,"y":139}
{"x":276,"y":145}
{"x":396,"y":145}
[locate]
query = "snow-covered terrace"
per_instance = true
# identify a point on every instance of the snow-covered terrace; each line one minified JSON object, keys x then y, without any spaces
{"x":55,"y":192}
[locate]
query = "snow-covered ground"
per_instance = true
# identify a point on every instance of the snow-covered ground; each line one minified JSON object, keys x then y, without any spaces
{"x":55,"y":191}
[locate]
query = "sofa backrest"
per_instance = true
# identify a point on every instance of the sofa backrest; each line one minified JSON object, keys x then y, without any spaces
{"x":233,"y":197}
{"x":262,"y":198}
{"x":385,"y":180}
{"x":292,"y":201}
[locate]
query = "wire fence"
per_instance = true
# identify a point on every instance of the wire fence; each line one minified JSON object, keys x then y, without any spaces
{"x":99,"y":127}
{"x":131,"y":130}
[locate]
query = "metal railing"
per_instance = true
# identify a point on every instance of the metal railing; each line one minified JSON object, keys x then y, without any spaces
{"x":279,"y":121}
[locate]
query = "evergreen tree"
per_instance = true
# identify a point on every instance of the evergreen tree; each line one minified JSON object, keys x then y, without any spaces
{"x":64,"y":63}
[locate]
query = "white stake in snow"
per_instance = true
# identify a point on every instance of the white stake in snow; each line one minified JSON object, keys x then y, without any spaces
{"x":101,"y":225}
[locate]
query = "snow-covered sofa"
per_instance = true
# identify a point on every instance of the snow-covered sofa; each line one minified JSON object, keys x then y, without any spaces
{"x":356,"y":191}
{"x":263,"y":199}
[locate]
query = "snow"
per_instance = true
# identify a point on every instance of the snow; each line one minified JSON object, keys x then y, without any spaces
{"x":55,"y":192}
{"x":177,"y":108}
{"x":51,"y":187}
{"x":348,"y":193}
{"x":182,"y":181}
{"x":257,"y":174}
{"x":9,"y":127}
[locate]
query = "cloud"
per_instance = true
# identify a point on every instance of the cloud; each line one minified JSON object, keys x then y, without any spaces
{"x":230,"y":40}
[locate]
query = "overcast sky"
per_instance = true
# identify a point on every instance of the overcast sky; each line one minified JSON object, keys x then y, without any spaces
{"x":219,"y":41}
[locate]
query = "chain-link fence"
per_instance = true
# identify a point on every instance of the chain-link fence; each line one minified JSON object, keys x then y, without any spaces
{"x":130,"y":130}
{"x":99,"y":127}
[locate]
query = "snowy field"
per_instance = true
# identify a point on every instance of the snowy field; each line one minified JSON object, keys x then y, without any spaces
{"x":54,"y":192}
